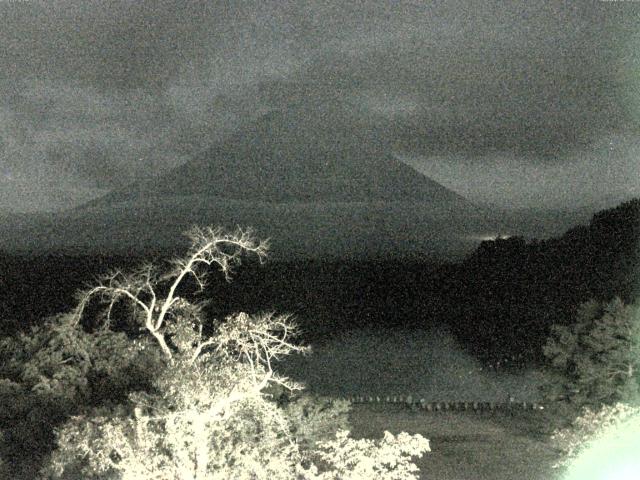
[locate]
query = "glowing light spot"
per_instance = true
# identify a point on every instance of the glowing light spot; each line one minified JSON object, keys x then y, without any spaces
{"x":491,"y":237}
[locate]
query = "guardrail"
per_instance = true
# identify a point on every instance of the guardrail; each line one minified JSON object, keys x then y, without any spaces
{"x":441,"y":406}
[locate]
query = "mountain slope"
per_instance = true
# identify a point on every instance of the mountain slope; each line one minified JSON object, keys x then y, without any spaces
{"x":312,"y":179}
{"x":295,"y":156}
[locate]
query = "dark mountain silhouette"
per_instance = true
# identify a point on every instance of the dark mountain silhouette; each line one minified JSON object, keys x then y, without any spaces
{"x":310,"y":178}
{"x":298,"y":155}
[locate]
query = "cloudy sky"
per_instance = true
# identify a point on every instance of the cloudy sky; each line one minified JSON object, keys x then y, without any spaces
{"x":514,"y":103}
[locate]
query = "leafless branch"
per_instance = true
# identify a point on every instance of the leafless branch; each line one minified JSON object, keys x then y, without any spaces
{"x":209,"y":246}
{"x":259,"y":340}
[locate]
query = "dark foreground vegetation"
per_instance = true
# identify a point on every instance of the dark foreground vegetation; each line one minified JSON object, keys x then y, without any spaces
{"x":500,"y":301}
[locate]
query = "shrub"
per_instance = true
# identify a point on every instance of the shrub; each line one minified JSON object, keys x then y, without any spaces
{"x":191,"y":430}
{"x":4,"y":470}
{"x":314,"y":419}
{"x":59,"y":369}
{"x":596,"y":360}
{"x":210,"y":413}
{"x":387,"y":459}
{"x":63,"y":361}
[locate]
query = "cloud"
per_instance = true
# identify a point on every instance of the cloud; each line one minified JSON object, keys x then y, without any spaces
{"x":101,"y":92}
{"x":388,"y":106}
{"x":607,"y":169}
{"x":58,"y":132}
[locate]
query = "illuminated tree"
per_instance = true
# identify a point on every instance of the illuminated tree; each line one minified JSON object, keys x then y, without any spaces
{"x":597,"y":359}
{"x":162,"y":315}
{"x":209,"y":414}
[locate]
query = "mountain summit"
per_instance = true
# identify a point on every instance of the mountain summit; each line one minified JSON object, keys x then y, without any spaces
{"x":295,"y":156}
{"x":315,"y":181}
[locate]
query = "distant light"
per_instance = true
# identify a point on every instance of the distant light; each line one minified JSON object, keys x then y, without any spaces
{"x":491,"y":237}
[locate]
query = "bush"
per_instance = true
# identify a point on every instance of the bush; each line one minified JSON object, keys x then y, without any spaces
{"x":312,"y":419}
{"x":61,"y":360}
{"x":596,"y":360}
{"x":4,"y":470}
{"x":253,"y":439}
{"x":190,"y":431}
{"x":209,"y":412}
{"x":386,"y":459}
{"x":59,"y":369}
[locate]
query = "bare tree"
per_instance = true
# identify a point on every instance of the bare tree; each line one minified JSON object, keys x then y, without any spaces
{"x":141,"y":288}
{"x":251,"y":342}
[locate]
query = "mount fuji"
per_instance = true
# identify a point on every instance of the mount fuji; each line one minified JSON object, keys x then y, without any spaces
{"x":317,"y":184}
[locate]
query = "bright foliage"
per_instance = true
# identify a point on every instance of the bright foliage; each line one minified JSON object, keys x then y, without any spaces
{"x":206,"y":412}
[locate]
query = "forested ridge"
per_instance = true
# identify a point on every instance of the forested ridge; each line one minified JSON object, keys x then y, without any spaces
{"x":500,"y":300}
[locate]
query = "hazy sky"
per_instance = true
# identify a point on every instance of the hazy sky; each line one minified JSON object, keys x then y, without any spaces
{"x":517,"y":103}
